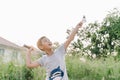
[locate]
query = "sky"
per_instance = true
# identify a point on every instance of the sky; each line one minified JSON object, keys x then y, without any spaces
{"x":25,"y":21}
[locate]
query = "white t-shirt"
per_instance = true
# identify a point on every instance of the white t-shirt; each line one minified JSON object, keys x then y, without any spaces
{"x":55,"y":64}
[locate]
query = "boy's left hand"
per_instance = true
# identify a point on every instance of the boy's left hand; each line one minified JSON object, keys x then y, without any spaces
{"x":79,"y":24}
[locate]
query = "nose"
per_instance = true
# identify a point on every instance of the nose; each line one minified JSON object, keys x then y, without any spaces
{"x":49,"y":41}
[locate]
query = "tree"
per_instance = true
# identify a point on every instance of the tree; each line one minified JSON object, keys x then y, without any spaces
{"x":102,"y":38}
{"x":111,"y":27}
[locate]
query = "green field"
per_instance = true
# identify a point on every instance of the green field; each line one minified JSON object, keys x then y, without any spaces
{"x":94,"y":69}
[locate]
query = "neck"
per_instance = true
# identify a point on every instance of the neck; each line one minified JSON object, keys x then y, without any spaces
{"x":49,"y":52}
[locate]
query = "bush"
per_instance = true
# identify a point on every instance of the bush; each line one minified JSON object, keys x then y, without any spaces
{"x":10,"y":71}
{"x":96,"y":69}
{"x":101,"y":69}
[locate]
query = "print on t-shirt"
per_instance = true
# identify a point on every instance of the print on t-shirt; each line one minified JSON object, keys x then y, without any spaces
{"x":56,"y":74}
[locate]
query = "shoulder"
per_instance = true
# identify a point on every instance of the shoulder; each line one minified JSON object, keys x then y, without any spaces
{"x":42,"y":59}
{"x":61,"y":47}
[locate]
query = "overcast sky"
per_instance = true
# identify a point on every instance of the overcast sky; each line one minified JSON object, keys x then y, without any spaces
{"x":24,"y":21}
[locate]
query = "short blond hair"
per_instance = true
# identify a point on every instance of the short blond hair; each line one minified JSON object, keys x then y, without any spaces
{"x":39,"y":42}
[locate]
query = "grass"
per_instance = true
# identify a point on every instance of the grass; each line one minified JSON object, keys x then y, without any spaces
{"x":96,"y":69}
{"x":101,"y":69}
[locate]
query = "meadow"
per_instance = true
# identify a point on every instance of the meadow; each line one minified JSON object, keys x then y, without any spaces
{"x":89,"y":69}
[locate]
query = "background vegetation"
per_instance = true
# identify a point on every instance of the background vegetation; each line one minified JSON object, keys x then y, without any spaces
{"x":78,"y":69}
{"x":99,"y":60}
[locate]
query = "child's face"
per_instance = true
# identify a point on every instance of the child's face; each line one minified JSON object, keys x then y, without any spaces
{"x":46,"y":44}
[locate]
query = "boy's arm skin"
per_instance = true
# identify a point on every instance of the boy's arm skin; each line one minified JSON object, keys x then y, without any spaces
{"x":30,"y":64}
{"x":72,"y":35}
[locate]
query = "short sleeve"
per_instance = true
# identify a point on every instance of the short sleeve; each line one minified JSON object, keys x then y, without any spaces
{"x":41,"y":60}
{"x":61,"y":49}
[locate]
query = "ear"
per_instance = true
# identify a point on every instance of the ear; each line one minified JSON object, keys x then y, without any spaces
{"x":41,"y":47}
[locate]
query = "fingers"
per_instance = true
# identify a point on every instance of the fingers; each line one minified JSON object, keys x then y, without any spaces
{"x":30,"y":48}
{"x":80,"y":24}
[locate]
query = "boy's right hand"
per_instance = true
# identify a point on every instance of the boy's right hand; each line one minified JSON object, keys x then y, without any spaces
{"x":30,"y":48}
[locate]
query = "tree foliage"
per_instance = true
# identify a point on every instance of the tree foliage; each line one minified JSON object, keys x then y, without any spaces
{"x":101,"y":38}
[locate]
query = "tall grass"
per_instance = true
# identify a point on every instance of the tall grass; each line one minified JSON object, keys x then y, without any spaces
{"x":10,"y":71}
{"x":97,"y":69}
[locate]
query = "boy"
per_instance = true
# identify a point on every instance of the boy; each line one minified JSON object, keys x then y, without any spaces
{"x":53,"y":61}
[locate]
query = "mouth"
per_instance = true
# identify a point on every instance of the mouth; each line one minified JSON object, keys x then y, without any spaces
{"x":50,"y":44}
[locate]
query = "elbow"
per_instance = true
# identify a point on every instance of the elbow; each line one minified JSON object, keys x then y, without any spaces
{"x":28,"y":66}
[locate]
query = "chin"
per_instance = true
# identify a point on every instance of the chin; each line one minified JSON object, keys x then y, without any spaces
{"x":50,"y":48}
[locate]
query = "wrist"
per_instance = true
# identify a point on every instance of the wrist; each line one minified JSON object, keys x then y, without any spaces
{"x":78,"y":26}
{"x":28,"y":52}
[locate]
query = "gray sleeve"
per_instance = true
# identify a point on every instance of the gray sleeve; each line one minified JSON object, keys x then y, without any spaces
{"x":41,"y":61}
{"x":61,"y":49}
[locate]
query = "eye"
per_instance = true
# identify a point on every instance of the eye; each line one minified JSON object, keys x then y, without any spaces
{"x":49,"y":40}
{"x":46,"y":40}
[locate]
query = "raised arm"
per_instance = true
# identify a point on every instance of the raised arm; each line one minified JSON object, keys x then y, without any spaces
{"x":72,"y":35}
{"x":30,"y":64}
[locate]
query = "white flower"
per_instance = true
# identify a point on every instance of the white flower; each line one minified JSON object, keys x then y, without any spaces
{"x":83,"y":59}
